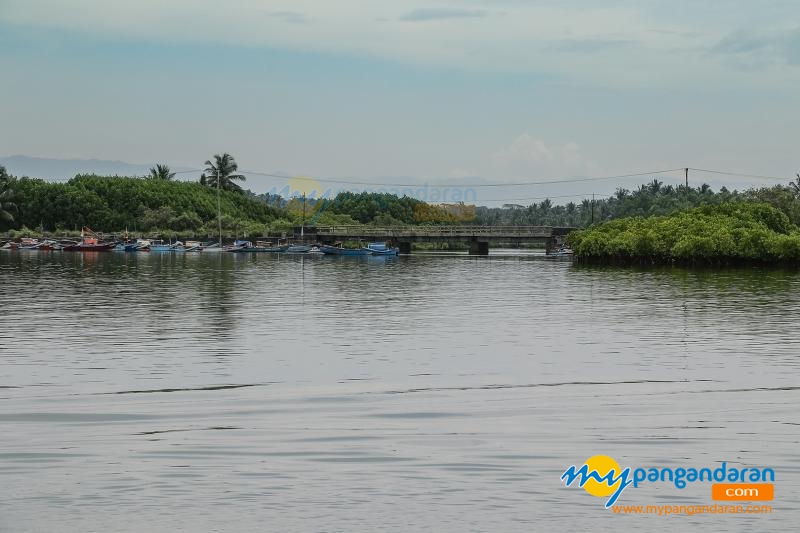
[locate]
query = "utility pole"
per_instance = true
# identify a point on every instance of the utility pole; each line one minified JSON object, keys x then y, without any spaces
{"x":593,"y":209}
{"x":303,"y":223}
{"x":219,"y":211}
{"x":687,"y":177}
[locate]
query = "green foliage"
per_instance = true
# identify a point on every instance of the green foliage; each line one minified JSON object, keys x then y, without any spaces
{"x":115,"y":203}
{"x":373,"y":208}
{"x":7,"y":205}
{"x":736,"y":231}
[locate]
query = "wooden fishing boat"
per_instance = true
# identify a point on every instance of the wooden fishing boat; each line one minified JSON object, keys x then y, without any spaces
{"x":380,"y":248}
{"x":126,"y":247}
{"x":89,"y":245}
{"x":298,"y":249}
{"x":339,"y":250}
{"x":90,"y":242}
{"x":160,"y":246}
{"x":267,"y":247}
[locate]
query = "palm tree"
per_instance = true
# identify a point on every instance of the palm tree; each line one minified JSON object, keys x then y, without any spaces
{"x":795,"y":185}
{"x":161,"y":172}
{"x":221,"y":176}
{"x":222,"y":173}
{"x":6,"y":196}
{"x":655,"y":186}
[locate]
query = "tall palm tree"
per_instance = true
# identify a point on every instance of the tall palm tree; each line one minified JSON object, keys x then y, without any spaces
{"x":795,"y":185}
{"x":221,"y":176}
{"x":161,"y":172}
{"x":222,"y":172}
{"x":6,"y":197}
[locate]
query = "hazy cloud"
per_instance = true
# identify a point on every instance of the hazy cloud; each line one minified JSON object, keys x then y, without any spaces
{"x":290,"y":16}
{"x":426,"y":14}
{"x":757,"y":49}
{"x":598,"y":44}
{"x":528,"y":154}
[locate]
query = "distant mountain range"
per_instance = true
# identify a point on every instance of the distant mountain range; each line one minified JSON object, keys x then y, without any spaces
{"x":39,"y":167}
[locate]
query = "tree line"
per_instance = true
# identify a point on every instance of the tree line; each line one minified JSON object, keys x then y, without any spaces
{"x":159,"y":202}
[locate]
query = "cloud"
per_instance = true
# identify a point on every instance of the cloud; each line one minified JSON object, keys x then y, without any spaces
{"x":292,"y":17}
{"x":528,"y":154}
{"x":758,"y":49}
{"x":590,"y":45}
{"x":427,"y":14}
{"x":597,"y":43}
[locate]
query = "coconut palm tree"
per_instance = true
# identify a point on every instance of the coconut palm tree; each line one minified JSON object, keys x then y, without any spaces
{"x":221,"y":176}
{"x":161,"y":172}
{"x":222,"y":172}
{"x":6,"y":197}
{"x":795,"y":185}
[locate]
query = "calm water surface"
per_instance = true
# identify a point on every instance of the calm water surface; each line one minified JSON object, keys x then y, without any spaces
{"x":422,"y":393}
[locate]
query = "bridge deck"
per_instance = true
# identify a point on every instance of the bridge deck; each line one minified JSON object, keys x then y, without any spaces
{"x":413,"y":233}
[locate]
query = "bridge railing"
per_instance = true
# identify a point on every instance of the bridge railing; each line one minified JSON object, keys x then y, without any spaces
{"x":436,"y":231}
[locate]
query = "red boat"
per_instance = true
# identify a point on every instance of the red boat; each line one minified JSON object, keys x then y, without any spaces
{"x":88,"y":243}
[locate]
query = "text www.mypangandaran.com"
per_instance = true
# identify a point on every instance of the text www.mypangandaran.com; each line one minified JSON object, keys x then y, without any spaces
{"x":663,"y":510}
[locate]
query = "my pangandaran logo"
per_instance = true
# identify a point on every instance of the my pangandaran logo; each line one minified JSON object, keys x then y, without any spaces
{"x":602,"y":476}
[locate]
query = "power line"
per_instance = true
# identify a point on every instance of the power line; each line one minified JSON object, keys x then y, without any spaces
{"x":757,"y":176}
{"x":583,"y":195}
{"x":467,"y":185}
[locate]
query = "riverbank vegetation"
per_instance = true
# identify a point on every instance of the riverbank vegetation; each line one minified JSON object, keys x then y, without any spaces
{"x":158,"y":204}
{"x":730,"y":233}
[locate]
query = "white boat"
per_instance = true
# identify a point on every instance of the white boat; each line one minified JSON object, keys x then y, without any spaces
{"x":211,"y":248}
{"x":561,"y":251}
{"x":298,"y":249}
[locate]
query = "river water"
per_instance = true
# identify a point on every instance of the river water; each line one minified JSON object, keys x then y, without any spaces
{"x":424,"y":393}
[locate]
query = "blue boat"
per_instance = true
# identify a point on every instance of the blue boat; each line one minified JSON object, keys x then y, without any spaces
{"x":126,"y":247}
{"x":380,"y":248}
{"x":338,"y":250}
{"x":162,"y":248}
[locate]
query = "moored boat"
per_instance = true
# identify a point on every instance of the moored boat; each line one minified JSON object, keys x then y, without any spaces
{"x":211,"y":247}
{"x":90,"y":242}
{"x":561,"y":251}
{"x":264,"y":246}
{"x":89,"y":245}
{"x":298,"y":249}
{"x":380,"y":248}
{"x":160,"y":246}
{"x":339,"y":250}
{"x":126,"y":247}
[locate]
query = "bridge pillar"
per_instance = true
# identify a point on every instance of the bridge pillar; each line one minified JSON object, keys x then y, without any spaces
{"x":405,"y":247}
{"x":478,"y":248}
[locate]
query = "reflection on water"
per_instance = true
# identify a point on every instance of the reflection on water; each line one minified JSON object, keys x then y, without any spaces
{"x":447,"y":393}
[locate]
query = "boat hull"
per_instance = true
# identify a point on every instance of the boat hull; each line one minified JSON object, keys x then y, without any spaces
{"x":380,"y":248}
{"x":264,"y":249}
{"x":334,"y":250}
{"x":88,"y":248}
{"x":298,"y":249}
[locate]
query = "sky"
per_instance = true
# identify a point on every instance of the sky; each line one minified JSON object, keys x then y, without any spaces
{"x":406,"y":91}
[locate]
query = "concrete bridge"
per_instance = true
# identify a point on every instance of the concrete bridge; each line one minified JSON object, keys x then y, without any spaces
{"x":479,"y":237}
